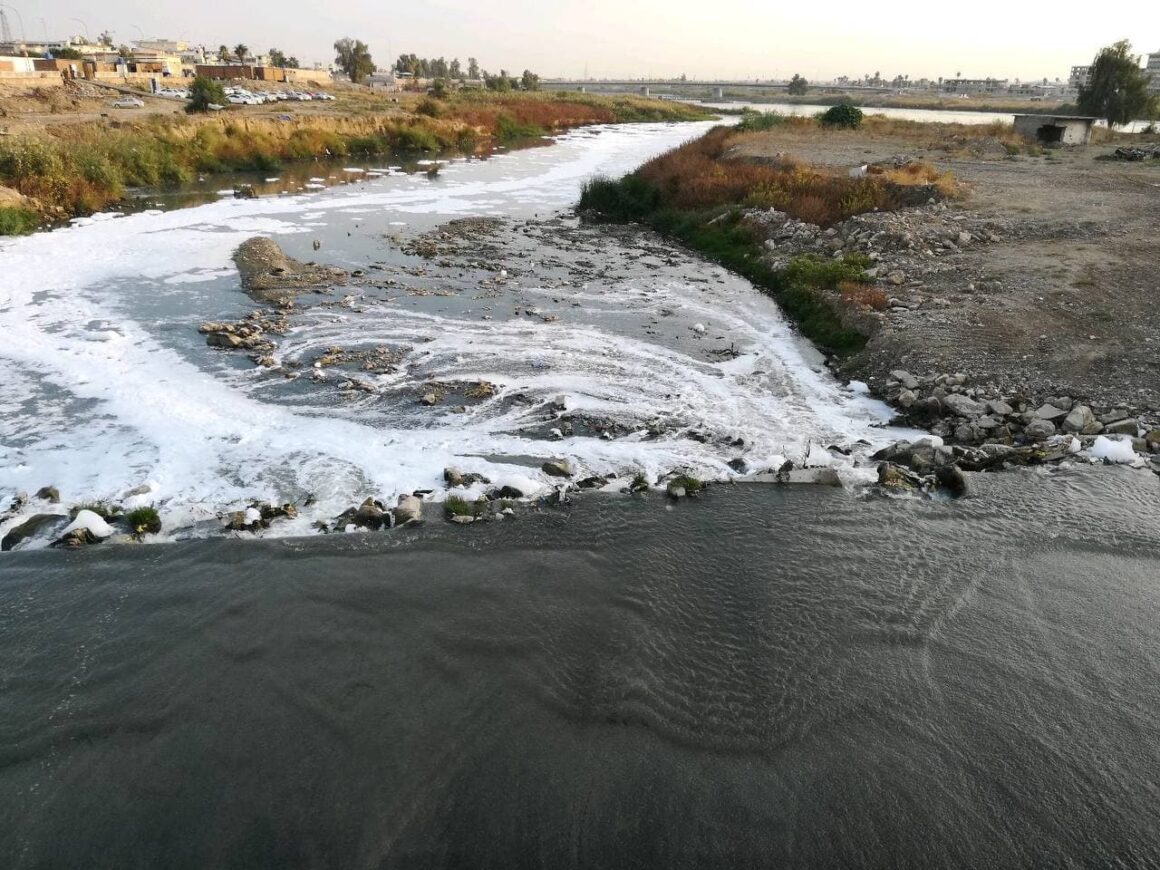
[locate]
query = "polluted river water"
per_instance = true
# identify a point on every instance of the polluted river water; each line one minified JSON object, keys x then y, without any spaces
{"x":675,"y":364}
{"x":790,"y":676}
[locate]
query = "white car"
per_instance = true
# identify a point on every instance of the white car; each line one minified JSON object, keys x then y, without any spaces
{"x":128,"y":103}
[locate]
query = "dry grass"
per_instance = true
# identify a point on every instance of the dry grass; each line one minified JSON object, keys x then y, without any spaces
{"x":866,"y":295}
{"x":699,"y":176}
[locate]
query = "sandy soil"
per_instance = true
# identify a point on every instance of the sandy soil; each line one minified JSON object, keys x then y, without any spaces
{"x":1067,"y":302}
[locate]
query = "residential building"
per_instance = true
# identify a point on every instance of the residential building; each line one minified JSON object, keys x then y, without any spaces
{"x":1080,"y":77}
{"x":1153,"y":70}
{"x":974,"y":86}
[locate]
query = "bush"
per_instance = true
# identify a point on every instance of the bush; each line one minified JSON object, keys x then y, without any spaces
{"x":631,"y":198}
{"x":757,"y":122}
{"x":843,"y":116}
{"x":203,"y":92}
{"x":429,"y":107}
{"x":17,"y":221}
{"x":144,"y":521}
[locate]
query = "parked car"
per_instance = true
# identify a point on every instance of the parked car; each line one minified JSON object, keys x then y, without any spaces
{"x":128,"y":103}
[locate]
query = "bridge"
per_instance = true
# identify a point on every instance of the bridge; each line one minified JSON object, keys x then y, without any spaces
{"x":718,"y":87}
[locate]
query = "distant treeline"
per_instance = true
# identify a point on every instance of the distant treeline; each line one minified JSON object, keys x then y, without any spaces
{"x":441,"y":68}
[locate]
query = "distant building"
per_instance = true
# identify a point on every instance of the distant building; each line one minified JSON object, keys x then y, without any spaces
{"x":1153,"y":70}
{"x":974,"y":86}
{"x":1057,"y":129}
{"x":1080,"y":77}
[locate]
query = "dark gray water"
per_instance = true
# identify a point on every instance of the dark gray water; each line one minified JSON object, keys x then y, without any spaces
{"x":764,"y":678}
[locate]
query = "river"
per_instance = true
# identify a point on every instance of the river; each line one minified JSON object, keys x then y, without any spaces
{"x":764,"y":676}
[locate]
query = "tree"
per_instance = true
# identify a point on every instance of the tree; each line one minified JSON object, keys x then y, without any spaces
{"x":292,"y":63}
{"x":203,"y":92}
{"x":472,"y":68}
{"x":105,"y":39}
{"x":223,"y":54}
{"x":1117,"y":89}
{"x":455,"y":70}
{"x":277,"y":58}
{"x":530,"y":81}
{"x":125,"y":52}
{"x":240,"y":52}
{"x":66,"y":54}
{"x":798,"y":85}
{"x":353,"y":57}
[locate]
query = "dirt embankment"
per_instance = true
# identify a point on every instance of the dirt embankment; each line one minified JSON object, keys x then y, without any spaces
{"x":1043,"y":282}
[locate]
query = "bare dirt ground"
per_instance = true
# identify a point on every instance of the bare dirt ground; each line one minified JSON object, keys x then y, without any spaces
{"x":1057,"y":292}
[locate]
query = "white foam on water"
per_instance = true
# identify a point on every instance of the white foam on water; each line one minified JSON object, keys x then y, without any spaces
{"x":97,"y":399}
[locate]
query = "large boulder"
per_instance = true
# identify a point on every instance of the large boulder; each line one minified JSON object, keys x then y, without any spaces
{"x":963,"y":406}
{"x":557,"y":468}
{"x":1038,"y":430}
{"x":408,"y":510}
{"x":1081,"y":421}
{"x":268,"y":274}
{"x":27,"y":529}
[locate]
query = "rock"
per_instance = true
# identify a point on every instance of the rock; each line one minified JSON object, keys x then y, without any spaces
{"x":595,"y":482}
{"x":999,"y":408}
{"x":27,"y":529}
{"x":675,"y":491}
{"x":1127,"y":426}
{"x":370,"y":515}
{"x":268,"y":274}
{"x":907,"y":398}
{"x":963,"y":406}
{"x":964,"y":238}
{"x":429,"y":399}
{"x":897,"y":277}
{"x":90,"y":522}
{"x":224,"y":339}
{"x":509,"y":492}
{"x":739,"y":465}
{"x":895,"y":477}
{"x":557,"y":468}
{"x":1152,"y":439}
{"x":1038,"y":430}
{"x":456,"y":478}
{"x":462,"y":520}
{"x":952,"y":479}
{"x":52,"y":494}
{"x":1050,"y":412}
{"x":77,"y":538}
{"x":1064,"y":402}
{"x":908,"y":381}
{"x":1081,"y":421}
{"x":408,"y":510}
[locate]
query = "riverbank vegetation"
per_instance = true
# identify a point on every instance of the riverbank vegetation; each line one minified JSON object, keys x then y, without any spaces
{"x":77,"y":169}
{"x":699,"y":193}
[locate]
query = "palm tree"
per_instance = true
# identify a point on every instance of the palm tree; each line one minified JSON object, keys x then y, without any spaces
{"x":223,"y":54}
{"x":240,"y":51}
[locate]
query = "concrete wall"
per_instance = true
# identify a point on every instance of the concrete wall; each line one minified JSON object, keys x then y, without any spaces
{"x":1058,"y":131}
{"x":31,"y":80}
{"x":17,"y":65}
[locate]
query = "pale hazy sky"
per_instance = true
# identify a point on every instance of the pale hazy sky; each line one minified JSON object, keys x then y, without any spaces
{"x":729,"y":38}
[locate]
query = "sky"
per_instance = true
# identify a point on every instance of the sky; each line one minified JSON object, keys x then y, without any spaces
{"x":733,"y":39}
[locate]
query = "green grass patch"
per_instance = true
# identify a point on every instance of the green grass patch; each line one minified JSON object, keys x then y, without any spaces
{"x":17,"y":221}
{"x":759,"y":122}
{"x":691,"y":485}
{"x":455,"y":506}
{"x":144,"y":521}
{"x":102,"y":509}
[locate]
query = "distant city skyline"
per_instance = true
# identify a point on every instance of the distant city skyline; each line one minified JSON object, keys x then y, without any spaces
{"x":737,"y":39}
